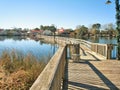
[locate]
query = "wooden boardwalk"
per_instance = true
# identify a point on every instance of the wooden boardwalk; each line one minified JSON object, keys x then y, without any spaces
{"x":92,"y":73}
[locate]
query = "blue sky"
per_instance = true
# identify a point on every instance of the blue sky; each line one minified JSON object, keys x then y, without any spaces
{"x":61,"y":13}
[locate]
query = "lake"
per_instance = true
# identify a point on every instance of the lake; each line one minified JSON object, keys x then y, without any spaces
{"x":103,"y":40}
{"x":39,"y":49}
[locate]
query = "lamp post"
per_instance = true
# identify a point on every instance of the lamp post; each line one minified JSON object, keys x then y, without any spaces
{"x":118,"y":25}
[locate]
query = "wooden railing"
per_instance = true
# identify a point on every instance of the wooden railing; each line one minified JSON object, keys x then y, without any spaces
{"x":53,"y":74}
{"x":101,"y":49}
{"x":104,"y":50}
{"x":84,"y":42}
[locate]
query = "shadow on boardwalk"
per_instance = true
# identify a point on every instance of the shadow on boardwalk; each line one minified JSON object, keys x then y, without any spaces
{"x":89,"y":87}
{"x":72,"y":85}
{"x":84,"y":75}
{"x":108,"y":83}
{"x":65,"y":81}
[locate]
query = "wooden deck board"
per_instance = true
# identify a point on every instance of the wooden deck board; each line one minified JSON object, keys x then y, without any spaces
{"x":93,"y":74}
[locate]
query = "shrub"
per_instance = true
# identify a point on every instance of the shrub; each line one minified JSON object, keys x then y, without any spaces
{"x":20,"y":71}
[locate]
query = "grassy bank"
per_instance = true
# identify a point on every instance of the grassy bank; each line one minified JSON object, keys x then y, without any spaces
{"x":18,"y":72}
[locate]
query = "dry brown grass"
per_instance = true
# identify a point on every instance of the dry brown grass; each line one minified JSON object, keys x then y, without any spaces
{"x":18,"y":72}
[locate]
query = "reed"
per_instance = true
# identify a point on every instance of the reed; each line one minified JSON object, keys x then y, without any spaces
{"x":19,"y":71}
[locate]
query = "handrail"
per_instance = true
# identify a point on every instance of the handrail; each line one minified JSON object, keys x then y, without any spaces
{"x":86,"y":43}
{"x":52,"y":75}
{"x":100,"y":49}
{"x":105,"y":50}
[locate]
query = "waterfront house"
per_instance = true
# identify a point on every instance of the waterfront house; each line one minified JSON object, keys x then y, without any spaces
{"x":47,"y":32}
{"x":62,"y":32}
{"x":35,"y":32}
{"x":3,"y":32}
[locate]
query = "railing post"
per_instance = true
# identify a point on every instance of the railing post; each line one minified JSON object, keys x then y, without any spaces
{"x":75,"y":52}
{"x":109,"y":51}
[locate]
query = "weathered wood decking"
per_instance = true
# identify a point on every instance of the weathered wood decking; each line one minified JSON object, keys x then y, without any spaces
{"x":92,"y":73}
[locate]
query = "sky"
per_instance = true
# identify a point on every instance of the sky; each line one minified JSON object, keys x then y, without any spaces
{"x":62,"y":13}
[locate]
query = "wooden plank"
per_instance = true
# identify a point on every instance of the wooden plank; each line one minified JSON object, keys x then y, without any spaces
{"x":92,"y":73}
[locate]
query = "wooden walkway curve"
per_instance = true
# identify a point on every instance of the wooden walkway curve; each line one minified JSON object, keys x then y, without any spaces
{"x":92,"y":73}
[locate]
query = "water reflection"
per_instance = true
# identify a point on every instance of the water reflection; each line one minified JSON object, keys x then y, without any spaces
{"x":103,"y":40}
{"x":39,"y":49}
{"x":2,"y":38}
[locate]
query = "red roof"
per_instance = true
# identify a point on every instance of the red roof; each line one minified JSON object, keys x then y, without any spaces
{"x":36,"y":31}
{"x":61,"y":30}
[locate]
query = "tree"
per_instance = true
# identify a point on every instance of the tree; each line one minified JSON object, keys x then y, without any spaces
{"x":81,"y":31}
{"x":72,"y":34}
{"x":96,"y":28}
{"x":44,"y":27}
{"x":110,"y":29}
{"x":52,"y":28}
{"x":41,"y":27}
{"x":37,"y":29}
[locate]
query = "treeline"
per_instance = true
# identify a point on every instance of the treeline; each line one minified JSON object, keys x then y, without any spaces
{"x":97,"y":29}
{"x":79,"y":32}
{"x":52,"y":28}
{"x":82,"y":31}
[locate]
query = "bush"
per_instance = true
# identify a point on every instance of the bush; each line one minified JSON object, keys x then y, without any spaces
{"x":20,"y":71}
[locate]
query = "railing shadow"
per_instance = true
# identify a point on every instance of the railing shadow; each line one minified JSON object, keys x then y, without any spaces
{"x":65,"y":80}
{"x":107,"y":82}
{"x":85,"y":86}
{"x":83,"y":51}
{"x":103,"y":77}
{"x":77,"y":85}
{"x":94,"y":57}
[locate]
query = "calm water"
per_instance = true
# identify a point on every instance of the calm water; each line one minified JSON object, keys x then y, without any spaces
{"x":39,"y":49}
{"x":105,"y":40}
